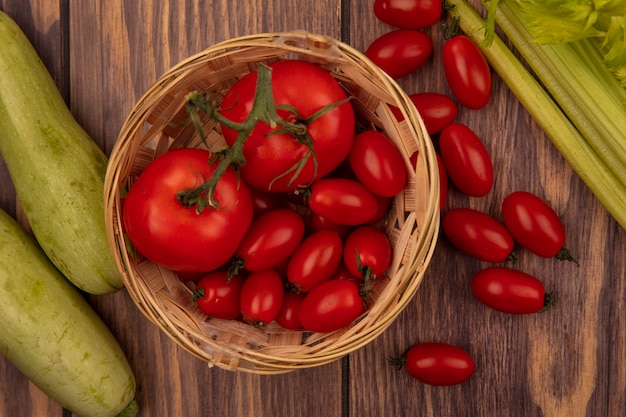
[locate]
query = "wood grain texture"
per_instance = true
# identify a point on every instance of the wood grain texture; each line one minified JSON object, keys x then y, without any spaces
{"x":567,"y":362}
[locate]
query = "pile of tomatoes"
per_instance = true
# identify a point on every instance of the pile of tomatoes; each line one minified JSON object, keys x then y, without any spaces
{"x":284,"y":225}
{"x":464,"y":160}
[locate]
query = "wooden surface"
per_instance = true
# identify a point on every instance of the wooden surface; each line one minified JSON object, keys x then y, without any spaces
{"x":568,"y":362}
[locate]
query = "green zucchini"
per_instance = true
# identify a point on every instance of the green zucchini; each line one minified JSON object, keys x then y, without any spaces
{"x":57,"y":169}
{"x":52,"y":335}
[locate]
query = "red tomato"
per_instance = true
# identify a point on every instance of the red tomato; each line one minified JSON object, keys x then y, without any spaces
{"x":383,"y":208}
{"x":437,"y":110}
{"x":315,"y":260}
{"x":287,"y":317}
{"x":443,"y":183}
{"x":270,"y":240}
{"x":466,"y":159}
{"x":467,"y":72}
{"x":477,"y":234}
{"x":535,"y":225}
{"x":272,"y":157}
{"x":343,"y":273}
{"x":367,"y":252}
{"x":439,"y":364}
{"x":342,"y":201}
{"x":217,"y":295}
{"x":262,"y":202}
{"x":509,"y":291}
{"x":261,"y":297}
{"x":175,"y":236}
{"x":331,"y":306}
{"x":377,"y":163}
{"x":408,"y":14}
{"x":317,"y":223}
{"x":400,"y":52}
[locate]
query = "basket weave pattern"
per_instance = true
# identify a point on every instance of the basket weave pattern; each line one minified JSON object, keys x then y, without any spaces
{"x":156,"y":124}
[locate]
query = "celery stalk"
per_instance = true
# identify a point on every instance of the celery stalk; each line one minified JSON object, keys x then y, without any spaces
{"x":583,"y":159}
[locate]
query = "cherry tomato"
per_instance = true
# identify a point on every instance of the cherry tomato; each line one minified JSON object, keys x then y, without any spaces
{"x":408,"y":14}
{"x":342,"y":201}
{"x":477,"y":234}
{"x":438,"y":364}
{"x":535,"y":225}
{"x":330,"y":306}
{"x":166,"y":232}
{"x":287,"y":317}
{"x":466,"y":159}
{"x":261,"y":297}
{"x":467,"y":72}
{"x":509,"y":291}
{"x":343,"y":273}
{"x":271,"y":156}
{"x":262,"y":202}
{"x":400,"y":52}
{"x":437,"y":110}
{"x":377,"y":163}
{"x":315,"y":260}
{"x":383,"y":208}
{"x":270,"y":240}
{"x":217,"y":294}
{"x":367,"y":252}
{"x":317,"y":223}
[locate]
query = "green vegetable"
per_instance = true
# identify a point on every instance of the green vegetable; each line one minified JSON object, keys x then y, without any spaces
{"x":57,"y":169}
{"x":575,"y":99}
{"x":52,"y":335}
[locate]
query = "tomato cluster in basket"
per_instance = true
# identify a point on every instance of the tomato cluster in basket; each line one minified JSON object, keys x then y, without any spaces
{"x":464,"y":160}
{"x":283,"y":224}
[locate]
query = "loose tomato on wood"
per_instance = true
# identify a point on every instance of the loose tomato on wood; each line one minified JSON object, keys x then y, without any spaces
{"x":467,"y":72}
{"x":367,"y":252}
{"x":377,"y":163}
{"x":466,"y":159}
{"x":331,"y":306}
{"x":510,"y":291}
{"x":173,"y":235}
{"x":437,"y":110}
{"x":400,"y":52}
{"x":439,"y":364}
{"x":408,"y":14}
{"x":535,"y":225}
{"x":217,"y":294}
{"x":270,"y":240}
{"x":342,"y":201}
{"x":261,"y":297}
{"x":478,"y":234}
{"x":315,"y":260}
{"x":272,"y":157}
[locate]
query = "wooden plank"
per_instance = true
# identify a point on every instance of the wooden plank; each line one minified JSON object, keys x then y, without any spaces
{"x":565,"y":362}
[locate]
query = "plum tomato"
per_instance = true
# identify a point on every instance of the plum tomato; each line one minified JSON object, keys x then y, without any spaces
{"x":174,"y":235}
{"x":408,"y":14}
{"x":217,"y":294}
{"x":317,"y":223}
{"x":466,"y":159}
{"x":315,"y":260}
{"x":287,"y":317}
{"x":467,"y":72}
{"x":367,"y":252}
{"x":478,"y":234}
{"x":331,"y":305}
{"x":510,"y":291}
{"x":437,"y":110}
{"x":262,"y":202}
{"x":342,"y":201}
{"x":435,"y":363}
{"x":377,"y":163}
{"x":261,"y":297}
{"x":535,"y":225}
{"x":270,"y":240}
{"x":400,"y":52}
{"x":300,"y":89}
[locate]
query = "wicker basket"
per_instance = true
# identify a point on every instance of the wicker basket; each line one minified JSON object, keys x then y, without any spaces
{"x":412,"y":221}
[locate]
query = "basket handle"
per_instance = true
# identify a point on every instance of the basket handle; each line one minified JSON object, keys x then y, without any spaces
{"x":322,"y":45}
